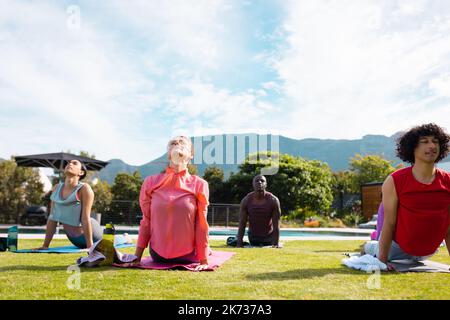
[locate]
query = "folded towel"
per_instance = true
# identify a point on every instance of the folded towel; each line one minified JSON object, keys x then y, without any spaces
{"x":365,"y":263}
{"x":405,"y":265}
{"x":96,"y":257}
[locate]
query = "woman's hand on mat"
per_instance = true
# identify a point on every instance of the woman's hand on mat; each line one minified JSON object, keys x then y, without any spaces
{"x":138,"y":253}
{"x":40,"y":248}
{"x":202,"y":266}
{"x":133,"y":263}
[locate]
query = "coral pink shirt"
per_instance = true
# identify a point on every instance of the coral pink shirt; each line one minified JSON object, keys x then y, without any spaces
{"x":174,"y":207}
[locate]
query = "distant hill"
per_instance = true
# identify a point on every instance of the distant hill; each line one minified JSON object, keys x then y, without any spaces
{"x":336,"y":153}
{"x":114,"y":167}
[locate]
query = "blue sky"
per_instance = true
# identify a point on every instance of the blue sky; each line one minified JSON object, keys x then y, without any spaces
{"x":119,"y":78}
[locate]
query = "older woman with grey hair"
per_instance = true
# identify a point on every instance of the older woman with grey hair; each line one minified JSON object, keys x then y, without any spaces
{"x":174,"y":205}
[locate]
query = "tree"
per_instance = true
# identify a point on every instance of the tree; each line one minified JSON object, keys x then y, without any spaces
{"x":298,"y":184}
{"x":370,"y":168}
{"x":103,"y":197}
{"x":192,"y":169}
{"x":214,"y":176}
{"x":125,"y":191}
{"x":237,"y":186}
{"x":127,"y":186}
{"x":86,"y":154}
{"x":343,"y":183}
{"x":19,"y":187}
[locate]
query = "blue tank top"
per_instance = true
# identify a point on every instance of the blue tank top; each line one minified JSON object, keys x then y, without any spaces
{"x":66,"y":210}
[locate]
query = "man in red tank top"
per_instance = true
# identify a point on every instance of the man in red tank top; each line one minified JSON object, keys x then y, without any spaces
{"x":262,"y":211}
{"x":416,"y":199}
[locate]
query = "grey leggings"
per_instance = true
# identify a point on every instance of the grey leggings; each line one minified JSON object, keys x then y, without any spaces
{"x":395,"y":253}
{"x":97,"y":234}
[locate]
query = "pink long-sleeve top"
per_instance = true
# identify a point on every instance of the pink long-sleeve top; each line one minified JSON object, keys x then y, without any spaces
{"x":174,"y":207}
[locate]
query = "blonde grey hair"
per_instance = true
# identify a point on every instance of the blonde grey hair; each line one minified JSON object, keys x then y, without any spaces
{"x":183,"y":138}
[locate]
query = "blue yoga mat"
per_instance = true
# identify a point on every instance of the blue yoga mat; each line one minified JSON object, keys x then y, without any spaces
{"x":68,"y":249}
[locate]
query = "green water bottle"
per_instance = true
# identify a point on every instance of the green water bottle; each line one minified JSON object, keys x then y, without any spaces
{"x":11,"y":243}
{"x":107,"y":245}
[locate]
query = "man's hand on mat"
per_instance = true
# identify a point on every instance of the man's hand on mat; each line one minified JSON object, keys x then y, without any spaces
{"x":390,"y":267}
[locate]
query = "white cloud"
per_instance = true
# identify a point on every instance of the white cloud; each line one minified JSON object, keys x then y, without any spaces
{"x":411,"y":7}
{"x":138,"y":72}
{"x":102,"y":87}
{"x":441,"y":85}
{"x":191,"y":30}
{"x":357,"y":67}
{"x":67,"y":89}
{"x":210,"y":110}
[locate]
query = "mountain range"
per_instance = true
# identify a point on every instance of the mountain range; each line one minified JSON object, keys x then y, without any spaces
{"x":228,"y":150}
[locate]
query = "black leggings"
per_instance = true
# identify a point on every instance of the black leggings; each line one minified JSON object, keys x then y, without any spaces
{"x":183,"y":259}
{"x":260,"y":241}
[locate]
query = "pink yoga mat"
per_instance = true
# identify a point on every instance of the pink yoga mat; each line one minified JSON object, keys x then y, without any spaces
{"x":215,"y":260}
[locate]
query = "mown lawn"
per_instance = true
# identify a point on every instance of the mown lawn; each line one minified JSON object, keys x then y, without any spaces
{"x":300,"y":270}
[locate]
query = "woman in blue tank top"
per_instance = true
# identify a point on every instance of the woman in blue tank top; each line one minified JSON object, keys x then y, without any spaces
{"x":71,"y":204}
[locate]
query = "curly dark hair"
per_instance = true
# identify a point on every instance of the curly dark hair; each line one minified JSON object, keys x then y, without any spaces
{"x":407,"y":143}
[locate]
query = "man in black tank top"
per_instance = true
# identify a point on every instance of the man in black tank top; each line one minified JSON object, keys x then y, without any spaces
{"x":262,"y":211}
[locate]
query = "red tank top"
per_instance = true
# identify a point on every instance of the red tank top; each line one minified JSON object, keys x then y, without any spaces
{"x":423,"y":212}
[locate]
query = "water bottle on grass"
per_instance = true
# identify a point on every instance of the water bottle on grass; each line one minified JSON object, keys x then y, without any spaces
{"x":107,"y":245}
{"x":11,"y":242}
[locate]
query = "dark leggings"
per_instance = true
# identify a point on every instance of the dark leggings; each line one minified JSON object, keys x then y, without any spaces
{"x":189,"y":258}
{"x":260,"y":241}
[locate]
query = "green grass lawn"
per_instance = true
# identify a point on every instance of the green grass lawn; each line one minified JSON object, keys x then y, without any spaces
{"x":300,"y":270}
